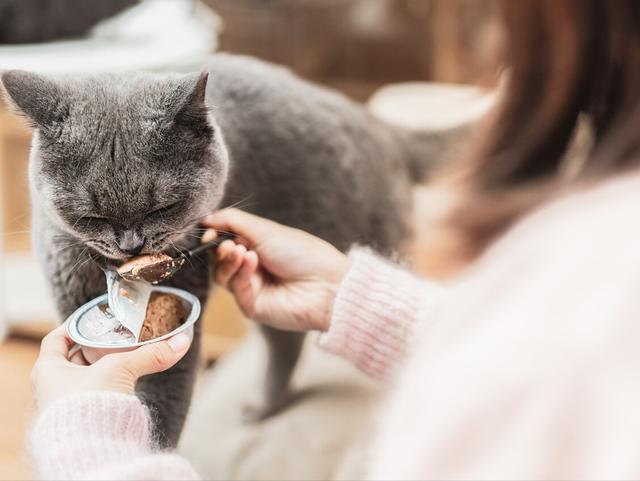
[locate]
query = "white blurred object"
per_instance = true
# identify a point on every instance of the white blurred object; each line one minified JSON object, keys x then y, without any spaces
{"x":430,"y":105}
{"x":23,"y":291}
{"x":153,"y":35}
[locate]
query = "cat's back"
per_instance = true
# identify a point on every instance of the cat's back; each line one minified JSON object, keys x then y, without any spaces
{"x":240,"y":77}
{"x":274,"y":109}
{"x":249,"y":93}
{"x":305,"y":152}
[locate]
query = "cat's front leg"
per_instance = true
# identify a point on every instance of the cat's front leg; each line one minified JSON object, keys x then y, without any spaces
{"x":168,"y":394}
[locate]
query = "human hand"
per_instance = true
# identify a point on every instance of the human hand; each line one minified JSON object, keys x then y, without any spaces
{"x":54,"y":375}
{"x":280,"y":276}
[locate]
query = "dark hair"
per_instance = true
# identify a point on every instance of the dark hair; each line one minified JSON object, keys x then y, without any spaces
{"x":566,"y":60}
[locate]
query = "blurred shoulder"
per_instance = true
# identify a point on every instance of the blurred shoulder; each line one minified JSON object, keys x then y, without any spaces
{"x":597,"y":221}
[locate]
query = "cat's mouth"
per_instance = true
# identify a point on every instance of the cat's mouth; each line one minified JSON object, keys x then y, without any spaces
{"x":170,"y":243}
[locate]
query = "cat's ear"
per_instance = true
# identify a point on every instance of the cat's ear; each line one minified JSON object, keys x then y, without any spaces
{"x":36,"y":96}
{"x":192,"y":112}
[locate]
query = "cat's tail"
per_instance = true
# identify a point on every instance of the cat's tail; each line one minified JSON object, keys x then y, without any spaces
{"x":429,"y":150}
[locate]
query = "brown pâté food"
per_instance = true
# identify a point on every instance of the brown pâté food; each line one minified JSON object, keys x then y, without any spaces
{"x":165,"y":312}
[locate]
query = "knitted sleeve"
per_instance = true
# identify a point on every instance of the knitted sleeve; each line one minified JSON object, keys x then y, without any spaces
{"x":101,"y":435}
{"x":376,"y":312}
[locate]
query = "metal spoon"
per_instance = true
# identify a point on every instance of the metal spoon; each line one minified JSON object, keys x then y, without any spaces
{"x":156,"y":268}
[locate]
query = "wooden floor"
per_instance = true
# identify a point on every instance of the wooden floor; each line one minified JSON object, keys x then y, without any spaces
{"x":16,"y":359}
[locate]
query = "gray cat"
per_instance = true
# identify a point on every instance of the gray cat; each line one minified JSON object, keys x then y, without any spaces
{"x":128,"y":164}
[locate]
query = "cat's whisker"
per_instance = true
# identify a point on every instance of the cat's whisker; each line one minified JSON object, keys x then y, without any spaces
{"x":241,"y":204}
{"x":83,"y":263}
{"x":234,"y":205}
{"x":238,"y":206}
{"x":189,"y":234}
{"x":66,"y":241}
{"x":98,"y":243}
{"x":16,"y":232}
{"x":220,"y":231}
{"x":69,"y":246}
{"x":79,"y":219}
{"x":188,"y":259}
{"x":201,"y":230}
{"x":75,"y":266}
{"x":20,"y":217}
{"x":238,"y":203}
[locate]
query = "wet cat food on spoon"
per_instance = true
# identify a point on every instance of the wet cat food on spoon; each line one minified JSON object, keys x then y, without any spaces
{"x":152,"y":268}
{"x":155,"y":268}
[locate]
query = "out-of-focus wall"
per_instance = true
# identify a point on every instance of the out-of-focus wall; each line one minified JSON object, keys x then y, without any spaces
{"x":360,"y":45}
{"x":14,"y":186}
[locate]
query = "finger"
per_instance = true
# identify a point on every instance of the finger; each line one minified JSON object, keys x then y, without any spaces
{"x":150,"y":358}
{"x":228,"y":268}
{"x":257,"y":278}
{"x":78,"y":358}
{"x":225,"y":249}
{"x":240,"y":283}
{"x":56,"y":344}
{"x":223,"y":262}
{"x":251,"y":227}
{"x":209,"y":235}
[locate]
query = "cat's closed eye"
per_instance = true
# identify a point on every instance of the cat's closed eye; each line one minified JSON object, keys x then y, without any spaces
{"x":93,"y":220}
{"x":167,"y":209}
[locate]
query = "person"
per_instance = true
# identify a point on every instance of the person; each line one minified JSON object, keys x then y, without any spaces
{"x":522,"y":365}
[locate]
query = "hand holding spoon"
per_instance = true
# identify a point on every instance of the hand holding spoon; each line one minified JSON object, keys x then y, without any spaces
{"x":156,"y":268}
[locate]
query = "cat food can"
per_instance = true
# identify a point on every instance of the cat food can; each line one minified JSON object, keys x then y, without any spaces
{"x":94,"y":328}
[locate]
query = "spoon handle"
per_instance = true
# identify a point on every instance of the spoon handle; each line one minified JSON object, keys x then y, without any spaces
{"x":209,"y":245}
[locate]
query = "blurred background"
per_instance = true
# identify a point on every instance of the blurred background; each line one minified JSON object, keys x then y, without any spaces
{"x":394,"y":54}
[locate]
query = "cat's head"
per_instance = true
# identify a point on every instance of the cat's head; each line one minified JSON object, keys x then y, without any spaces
{"x":125,"y":163}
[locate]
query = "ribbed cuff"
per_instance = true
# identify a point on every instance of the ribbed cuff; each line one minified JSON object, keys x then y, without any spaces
{"x":376,"y":311}
{"x":84,"y":433}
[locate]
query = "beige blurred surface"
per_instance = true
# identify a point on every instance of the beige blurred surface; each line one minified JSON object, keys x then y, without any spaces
{"x":14,"y":189}
{"x":16,"y":359}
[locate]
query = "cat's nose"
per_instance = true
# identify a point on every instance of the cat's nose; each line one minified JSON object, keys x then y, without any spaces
{"x":131,"y":243}
{"x":134,"y":250}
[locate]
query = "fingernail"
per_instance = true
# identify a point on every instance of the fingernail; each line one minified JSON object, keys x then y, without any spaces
{"x":209,"y":235}
{"x":179,"y":343}
{"x":210,"y":218}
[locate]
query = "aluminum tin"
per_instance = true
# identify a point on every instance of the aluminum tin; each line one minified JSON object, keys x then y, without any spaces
{"x":74,"y":319}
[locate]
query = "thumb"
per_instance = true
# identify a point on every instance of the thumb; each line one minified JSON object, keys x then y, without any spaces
{"x":157,"y":356}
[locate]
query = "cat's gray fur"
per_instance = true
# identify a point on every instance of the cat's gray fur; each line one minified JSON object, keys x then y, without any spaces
{"x":122,"y":146}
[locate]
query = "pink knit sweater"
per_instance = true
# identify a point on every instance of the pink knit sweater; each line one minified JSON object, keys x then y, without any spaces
{"x":527,"y":367}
